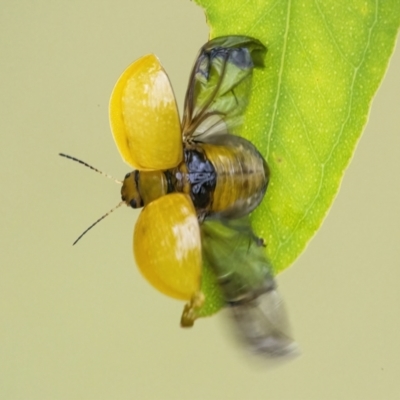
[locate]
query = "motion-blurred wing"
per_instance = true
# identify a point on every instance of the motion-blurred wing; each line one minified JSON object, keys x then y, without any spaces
{"x":263,"y":325}
{"x":220,"y":85}
{"x":244,"y":274}
{"x":144,"y":118}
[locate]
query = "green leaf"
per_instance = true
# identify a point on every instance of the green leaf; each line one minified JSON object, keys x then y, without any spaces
{"x":309,"y":105}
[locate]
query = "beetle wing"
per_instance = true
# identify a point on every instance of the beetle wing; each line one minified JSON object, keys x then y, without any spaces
{"x":144,"y":117}
{"x":220,"y":85}
{"x":263,"y":325}
{"x":237,"y":257}
{"x":167,"y":246}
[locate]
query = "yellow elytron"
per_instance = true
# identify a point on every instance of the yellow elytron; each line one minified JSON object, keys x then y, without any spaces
{"x":197,"y":182}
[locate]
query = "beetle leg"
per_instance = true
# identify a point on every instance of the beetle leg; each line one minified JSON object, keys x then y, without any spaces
{"x":189,"y":314}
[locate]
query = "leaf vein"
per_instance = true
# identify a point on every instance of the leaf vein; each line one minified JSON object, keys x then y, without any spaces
{"x":280,"y":75}
{"x":332,"y":36}
{"x":301,"y":118}
{"x":354,"y":78}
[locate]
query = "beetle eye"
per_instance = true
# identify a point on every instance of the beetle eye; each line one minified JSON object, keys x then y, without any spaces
{"x":127,"y":175}
{"x":132,"y":203}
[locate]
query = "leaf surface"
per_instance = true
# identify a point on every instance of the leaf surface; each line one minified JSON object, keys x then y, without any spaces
{"x":309,"y":104}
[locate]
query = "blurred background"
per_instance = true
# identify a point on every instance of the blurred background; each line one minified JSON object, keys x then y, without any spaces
{"x":80,"y":322}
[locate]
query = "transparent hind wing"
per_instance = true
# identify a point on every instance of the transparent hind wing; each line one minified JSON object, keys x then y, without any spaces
{"x":220,"y":86}
{"x":263,"y":325}
{"x":245,"y":276}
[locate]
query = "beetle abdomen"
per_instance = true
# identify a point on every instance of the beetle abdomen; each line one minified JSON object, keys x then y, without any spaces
{"x":241,"y":175}
{"x":226,"y":176}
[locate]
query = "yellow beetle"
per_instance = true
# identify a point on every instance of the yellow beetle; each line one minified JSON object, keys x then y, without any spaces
{"x":186,"y":172}
{"x":198,"y":182}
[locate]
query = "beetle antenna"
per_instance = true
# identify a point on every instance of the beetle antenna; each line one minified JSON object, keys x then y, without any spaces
{"x":89,"y":166}
{"x":95,"y":223}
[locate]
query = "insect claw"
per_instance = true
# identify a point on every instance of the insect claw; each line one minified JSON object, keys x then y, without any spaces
{"x":261,"y":242}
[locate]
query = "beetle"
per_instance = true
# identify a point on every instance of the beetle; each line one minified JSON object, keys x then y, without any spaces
{"x":219,"y":173}
{"x":197,"y":181}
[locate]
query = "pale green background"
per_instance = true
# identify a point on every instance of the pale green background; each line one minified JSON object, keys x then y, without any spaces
{"x":81,"y":323}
